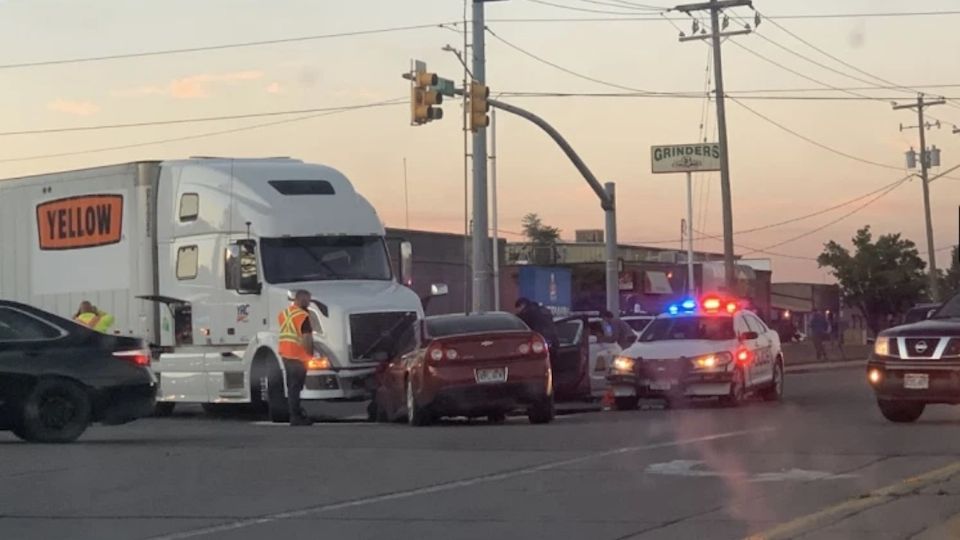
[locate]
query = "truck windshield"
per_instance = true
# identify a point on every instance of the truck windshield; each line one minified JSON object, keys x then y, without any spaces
{"x":709,"y":328}
{"x":323,"y":258}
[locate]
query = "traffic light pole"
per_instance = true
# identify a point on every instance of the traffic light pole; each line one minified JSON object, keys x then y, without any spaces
{"x":482,"y":270}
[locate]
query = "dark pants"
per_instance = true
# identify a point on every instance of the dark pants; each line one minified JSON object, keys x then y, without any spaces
{"x":818,"y":346}
{"x":296,"y":377}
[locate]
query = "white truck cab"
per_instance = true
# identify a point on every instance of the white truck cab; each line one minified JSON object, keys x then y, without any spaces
{"x":206,"y":253}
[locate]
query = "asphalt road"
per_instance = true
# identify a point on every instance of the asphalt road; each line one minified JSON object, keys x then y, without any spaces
{"x":823,"y":464}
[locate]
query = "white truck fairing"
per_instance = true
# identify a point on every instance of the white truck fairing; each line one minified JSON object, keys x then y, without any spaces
{"x":200,"y":261}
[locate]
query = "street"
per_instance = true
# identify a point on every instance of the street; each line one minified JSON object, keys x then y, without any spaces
{"x":698,"y":472}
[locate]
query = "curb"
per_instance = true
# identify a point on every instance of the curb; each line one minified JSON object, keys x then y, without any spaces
{"x":826,"y":366}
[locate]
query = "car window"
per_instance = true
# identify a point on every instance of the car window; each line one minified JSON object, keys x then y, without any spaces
{"x":568,"y":332}
{"x":16,"y":325}
{"x":740,"y":325}
{"x":449,"y":325}
{"x":755,"y":324}
{"x":678,"y":328}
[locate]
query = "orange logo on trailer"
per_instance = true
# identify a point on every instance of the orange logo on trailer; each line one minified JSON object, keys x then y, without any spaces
{"x":80,"y":222}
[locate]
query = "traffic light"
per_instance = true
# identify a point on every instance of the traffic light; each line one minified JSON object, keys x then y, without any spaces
{"x":479,"y":93}
{"x":423,"y":96}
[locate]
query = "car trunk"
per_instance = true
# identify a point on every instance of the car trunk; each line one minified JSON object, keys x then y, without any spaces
{"x":488,"y":346}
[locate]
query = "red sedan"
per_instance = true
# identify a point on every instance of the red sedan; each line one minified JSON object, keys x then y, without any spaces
{"x":475,"y":365}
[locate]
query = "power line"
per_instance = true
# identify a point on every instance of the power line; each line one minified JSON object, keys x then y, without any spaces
{"x":862,"y":15}
{"x":580,"y":9}
{"x":238,"y":45}
{"x":392,"y":102}
{"x":653,"y":94}
{"x":755,"y":250}
{"x":170,"y":122}
{"x":620,"y":4}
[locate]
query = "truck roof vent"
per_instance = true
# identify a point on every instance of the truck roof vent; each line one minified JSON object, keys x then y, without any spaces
{"x":303,"y":187}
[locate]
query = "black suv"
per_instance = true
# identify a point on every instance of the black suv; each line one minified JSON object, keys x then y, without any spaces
{"x":917,"y":364}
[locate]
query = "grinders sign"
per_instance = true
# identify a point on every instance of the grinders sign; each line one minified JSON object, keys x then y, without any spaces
{"x":80,"y":222}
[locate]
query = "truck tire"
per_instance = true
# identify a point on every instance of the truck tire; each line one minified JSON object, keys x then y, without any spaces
{"x":278,"y":409}
{"x":164,"y":409}
{"x":416,"y":415}
{"x":901,"y":412}
{"x":774,"y":392}
{"x":55,"y":411}
{"x":626,"y":403}
{"x":542,"y":412}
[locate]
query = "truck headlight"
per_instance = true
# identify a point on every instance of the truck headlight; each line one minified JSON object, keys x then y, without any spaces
{"x":881,"y":347}
{"x":624,"y":364}
{"x":318,"y":363}
{"x":712,"y":361}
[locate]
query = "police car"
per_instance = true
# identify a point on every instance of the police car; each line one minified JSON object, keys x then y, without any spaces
{"x":710,"y":347}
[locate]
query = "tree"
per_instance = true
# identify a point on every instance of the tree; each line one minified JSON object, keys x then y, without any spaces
{"x":882,"y":278}
{"x":538,"y":233}
{"x":950,"y":280}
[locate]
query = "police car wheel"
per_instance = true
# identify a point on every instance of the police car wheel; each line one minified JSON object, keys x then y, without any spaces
{"x":901,"y":412}
{"x":737,"y":390}
{"x":775,"y":391}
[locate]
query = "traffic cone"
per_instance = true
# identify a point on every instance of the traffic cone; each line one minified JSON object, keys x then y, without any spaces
{"x":607,"y":401}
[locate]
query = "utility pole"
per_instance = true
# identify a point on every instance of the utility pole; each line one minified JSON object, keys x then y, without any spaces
{"x":493,"y":210}
{"x":715,"y":7}
{"x":920,"y":105}
{"x":482,"y":293}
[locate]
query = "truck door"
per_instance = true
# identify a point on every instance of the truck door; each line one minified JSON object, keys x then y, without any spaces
{"x":570,"y":365}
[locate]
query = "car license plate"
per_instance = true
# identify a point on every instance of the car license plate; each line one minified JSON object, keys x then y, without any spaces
{"x":916,"y":381}
{"x":661,"y":385}
{"x":496,"y":375}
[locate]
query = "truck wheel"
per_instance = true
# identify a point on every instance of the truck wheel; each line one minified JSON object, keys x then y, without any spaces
{"x":56,"y":411}
{"x":775,"y":391}
{"x":543,"y":412}
{"x":738,"y":390}
{"x":278,"y":409}
{"x":626,"y":403}
{"x":164,"y":409}
{"x":901,"y":412}
{"x":416,"y":415}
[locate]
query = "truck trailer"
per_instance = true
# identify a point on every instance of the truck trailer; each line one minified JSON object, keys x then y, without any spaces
{"x":198,"y":256}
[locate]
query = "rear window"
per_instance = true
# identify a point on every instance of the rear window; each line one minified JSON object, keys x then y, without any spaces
{"x":473,"y":324}
{"x":302,"y":187}
{"x":678,"y":328}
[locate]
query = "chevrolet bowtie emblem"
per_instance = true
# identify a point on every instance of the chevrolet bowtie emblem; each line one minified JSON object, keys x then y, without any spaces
{"x":486,"y":343}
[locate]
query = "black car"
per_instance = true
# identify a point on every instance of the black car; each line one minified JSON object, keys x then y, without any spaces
{"x":918,"y":364}
{"x":57,"y":377}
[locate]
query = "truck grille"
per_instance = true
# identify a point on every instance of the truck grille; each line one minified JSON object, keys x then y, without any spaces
{"x":921,"y":347}
{"x":374,"y":336}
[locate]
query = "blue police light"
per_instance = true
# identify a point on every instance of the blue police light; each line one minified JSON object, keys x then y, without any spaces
{"x":689,"y":304}
{"x":674,"y":309}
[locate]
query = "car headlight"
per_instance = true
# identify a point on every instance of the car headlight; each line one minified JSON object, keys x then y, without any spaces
{"x":711,"y":361}
{"x":624,"y":364}
{"x":881,"y":347}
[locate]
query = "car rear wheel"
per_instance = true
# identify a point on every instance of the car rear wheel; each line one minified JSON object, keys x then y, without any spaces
{"x":56,"y":411}
{"x":626,"y":403}
{"x":416,"y":415}
{"x":901,"y":412}
{"x":278,"y":409}
{"x":164,"y":409}
{"x":542,"y":412}
{"x":775,"y":391}
{"x":738,"y":390}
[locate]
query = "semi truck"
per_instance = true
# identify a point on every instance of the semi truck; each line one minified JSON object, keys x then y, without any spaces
{"x":198,"y":256}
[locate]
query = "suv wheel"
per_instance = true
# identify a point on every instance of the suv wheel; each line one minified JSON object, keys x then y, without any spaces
{"x":901,"y":412}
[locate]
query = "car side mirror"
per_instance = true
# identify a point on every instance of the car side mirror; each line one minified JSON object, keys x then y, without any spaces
{"x":748,"y":336}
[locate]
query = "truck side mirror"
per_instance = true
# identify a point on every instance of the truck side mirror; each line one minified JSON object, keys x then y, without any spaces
{"x":439,"y":289}
{"x":240,"y":267}
{"x":406,"y":263}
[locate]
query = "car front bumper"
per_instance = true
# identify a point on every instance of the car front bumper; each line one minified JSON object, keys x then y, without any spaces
{"x":691,"y":384}
{"x":943,"y":381}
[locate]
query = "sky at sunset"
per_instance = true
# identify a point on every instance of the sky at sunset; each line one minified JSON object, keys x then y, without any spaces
{"x":775,"y":175}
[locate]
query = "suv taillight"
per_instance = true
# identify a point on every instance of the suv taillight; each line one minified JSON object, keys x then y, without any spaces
{"x":137,"y":358}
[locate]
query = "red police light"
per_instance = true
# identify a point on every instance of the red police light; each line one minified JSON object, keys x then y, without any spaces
{"x":711,"y":303}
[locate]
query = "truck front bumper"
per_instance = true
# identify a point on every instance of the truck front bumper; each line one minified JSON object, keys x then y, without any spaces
{"x":345,"y":384}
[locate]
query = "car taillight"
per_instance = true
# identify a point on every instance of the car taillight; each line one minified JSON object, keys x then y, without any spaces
{"x":524,"y":348}
{"x":537,"y":347}
{"x":451,"y":354}
{"x":137,"y":358}
{"x":744,"y":356}
{"x":436,"y":354}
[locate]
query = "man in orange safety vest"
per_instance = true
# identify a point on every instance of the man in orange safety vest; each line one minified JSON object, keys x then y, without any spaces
{"x":296,"y":349}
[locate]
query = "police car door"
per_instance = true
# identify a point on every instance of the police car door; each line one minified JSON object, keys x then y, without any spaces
{"x":742,"y":329}
{"x":763,"y":350}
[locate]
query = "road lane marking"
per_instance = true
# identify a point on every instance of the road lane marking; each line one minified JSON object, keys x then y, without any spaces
{"x":445,"y":486}
{"x":694,"y":468}
{"x":838,"y":512}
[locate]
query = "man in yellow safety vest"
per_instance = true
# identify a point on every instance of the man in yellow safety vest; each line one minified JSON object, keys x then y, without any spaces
{"x":296,"y":349}
{"x":93,"y":318}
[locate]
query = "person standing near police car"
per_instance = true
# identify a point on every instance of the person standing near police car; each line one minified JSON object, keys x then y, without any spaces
{"x":296,"y":350}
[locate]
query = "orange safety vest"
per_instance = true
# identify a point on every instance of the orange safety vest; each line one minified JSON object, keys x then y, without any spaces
{"x":291,"y":334}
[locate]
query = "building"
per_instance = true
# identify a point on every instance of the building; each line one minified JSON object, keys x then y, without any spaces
{"x":794,"y":302}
